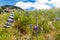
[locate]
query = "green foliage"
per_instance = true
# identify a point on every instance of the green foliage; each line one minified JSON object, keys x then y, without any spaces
{"x":22,"y":21}
{"x":4,"y":34}
{"x":58,"y":37}
{"x":3,"y":18}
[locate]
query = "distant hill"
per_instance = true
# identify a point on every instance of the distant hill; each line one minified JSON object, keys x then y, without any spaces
{"x":9,"y":8}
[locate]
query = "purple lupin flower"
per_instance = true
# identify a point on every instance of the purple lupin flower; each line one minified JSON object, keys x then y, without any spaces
{"x":35,"y":31}
{"x":10,"y":20}
{"x":7,"y":23}
{"x":11,"y":17}
{"x":36,"y":28}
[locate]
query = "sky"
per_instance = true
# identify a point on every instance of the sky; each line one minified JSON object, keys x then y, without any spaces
{"x":32,"y":4}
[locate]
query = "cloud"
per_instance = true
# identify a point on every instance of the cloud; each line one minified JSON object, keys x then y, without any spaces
{"x":39,"y":4}
{"x":24,"y":5}
{"x":28,"y":4}
{"x":57,"y":3}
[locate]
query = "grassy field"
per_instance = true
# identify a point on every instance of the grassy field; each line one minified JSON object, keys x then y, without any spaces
{"x":32,"y":25}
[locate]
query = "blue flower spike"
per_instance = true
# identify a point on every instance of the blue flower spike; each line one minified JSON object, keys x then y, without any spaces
{"x":36,"y":31}
{"x":36,"y":28}
{"x":11,"y":17}
{"x":7,"y":23}
{"x":10,"y":20}
{"x":5,"y":26}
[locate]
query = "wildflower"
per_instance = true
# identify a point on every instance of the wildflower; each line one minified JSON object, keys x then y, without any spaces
{"x":10,"y":20}
{"x":36,"y":31}
{"x":7,"y":23}
{"x":36,"y":28}
{"x":11,"y":17}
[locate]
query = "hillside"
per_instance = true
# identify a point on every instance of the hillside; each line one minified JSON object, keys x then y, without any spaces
{"x":33,"y":25}
{"x":9,"y":8}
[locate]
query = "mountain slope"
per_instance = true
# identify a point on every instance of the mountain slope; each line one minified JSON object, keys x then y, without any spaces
{"x":9,"y":8}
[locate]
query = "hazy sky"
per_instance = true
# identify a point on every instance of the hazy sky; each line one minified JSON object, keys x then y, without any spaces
{"x":32,"y":4}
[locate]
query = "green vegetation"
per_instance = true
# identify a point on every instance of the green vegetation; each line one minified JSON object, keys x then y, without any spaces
{"x":32,"y":25}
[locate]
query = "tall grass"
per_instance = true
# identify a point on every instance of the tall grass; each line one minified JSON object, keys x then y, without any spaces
{"x":47,"y":24}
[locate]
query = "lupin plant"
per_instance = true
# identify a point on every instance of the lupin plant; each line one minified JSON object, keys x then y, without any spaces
{"x":36,"y":31}
{"x":9,"y":21}
{"x":36,"y":28}
{"x":37,"y":21}
{"x":11,"y":17}
{"x":7,"y":24}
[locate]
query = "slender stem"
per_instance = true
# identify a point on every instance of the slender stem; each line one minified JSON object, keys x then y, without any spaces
{"x":36,"y":36}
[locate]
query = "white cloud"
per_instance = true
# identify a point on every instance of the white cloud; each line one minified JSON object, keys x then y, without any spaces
{"x":57,"y":3}
{"x":39,"y":4}
{"x":24,"y":5}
